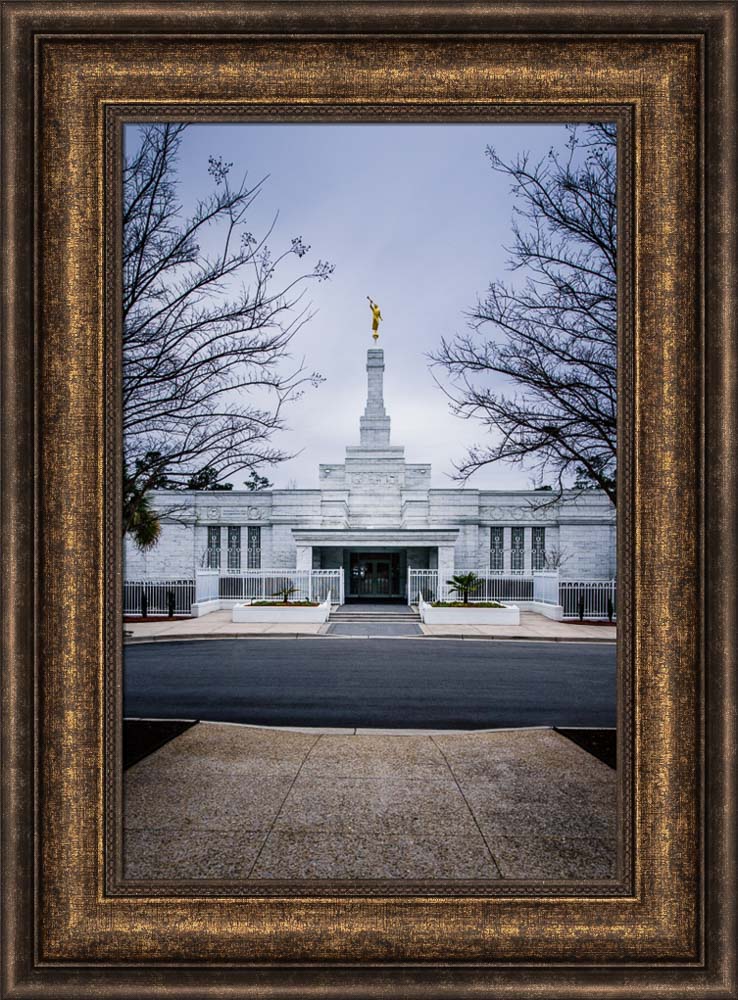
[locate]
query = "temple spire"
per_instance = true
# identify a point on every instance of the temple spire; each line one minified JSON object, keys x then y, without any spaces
{"x":375,"y":424}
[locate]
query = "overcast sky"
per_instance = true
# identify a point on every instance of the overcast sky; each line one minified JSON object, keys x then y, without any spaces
{"x":412,"y":215}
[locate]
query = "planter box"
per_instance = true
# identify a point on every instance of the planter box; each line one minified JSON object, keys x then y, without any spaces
{"x":509,"y":614}
{"x":281,"y":614}
{"x":204,"y":608}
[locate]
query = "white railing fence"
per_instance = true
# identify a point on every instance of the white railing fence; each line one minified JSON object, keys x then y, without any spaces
{"x":422,"y":582}
{"x":264,"y":584}
{"x":595,"y":599}
{"x":489,"y":587}
{"x":158,"y":596}
{"x":501,"y":587}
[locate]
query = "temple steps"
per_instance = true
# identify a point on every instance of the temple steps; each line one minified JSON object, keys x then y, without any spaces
{"x":355,"y":614}
{"x":365,"y":619}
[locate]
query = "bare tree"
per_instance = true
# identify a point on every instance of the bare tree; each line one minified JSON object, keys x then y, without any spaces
{"x":556,"y":557}
{"x":206,"y":335}
{"x":553,"y":335}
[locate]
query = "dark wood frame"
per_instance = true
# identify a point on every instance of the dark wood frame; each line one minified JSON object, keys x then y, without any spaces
{"x":114,"y":117}
{"x":669,"y":928}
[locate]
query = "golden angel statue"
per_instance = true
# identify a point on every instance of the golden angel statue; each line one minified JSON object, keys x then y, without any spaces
{"x":376,"y":317}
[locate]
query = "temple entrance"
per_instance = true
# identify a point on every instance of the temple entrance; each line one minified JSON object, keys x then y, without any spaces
{"x":375,"y":576}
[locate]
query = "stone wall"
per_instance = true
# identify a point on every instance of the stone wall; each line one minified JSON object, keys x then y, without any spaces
{"x":585,"y":536}
{"x":420,"y":558}
{"x":453,"y":507}
{"x":173,"y":557}
{"x":468,"y":556}
{"x":589,"y":551}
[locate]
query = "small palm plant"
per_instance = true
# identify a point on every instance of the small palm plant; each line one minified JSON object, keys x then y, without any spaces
{"x":144,"y":524}
{"x":285,"y":593}
{"x":462,"y":583}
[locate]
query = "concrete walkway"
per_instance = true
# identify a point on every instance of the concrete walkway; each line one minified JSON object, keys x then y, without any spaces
{"x":218,"y":625}
{"x":532,"y":626}
{"x":237,"y":802}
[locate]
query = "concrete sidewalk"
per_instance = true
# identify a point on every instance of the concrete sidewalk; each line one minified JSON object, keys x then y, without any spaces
{"x":218,"y":625}
{"x":238,"y":802}
{"x":532,"y":626}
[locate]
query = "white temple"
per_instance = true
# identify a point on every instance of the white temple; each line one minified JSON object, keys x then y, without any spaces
{"x":375,"y":516}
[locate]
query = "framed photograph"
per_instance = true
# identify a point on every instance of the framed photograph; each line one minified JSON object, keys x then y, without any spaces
{"x":397,"y":742}
{"x":369,"y":500}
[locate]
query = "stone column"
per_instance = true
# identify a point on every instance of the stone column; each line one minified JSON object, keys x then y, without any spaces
{"x":445,"y":568}
{"x":485,"y":550}
{"x":304,"y":557}
{"x":528,"y":551}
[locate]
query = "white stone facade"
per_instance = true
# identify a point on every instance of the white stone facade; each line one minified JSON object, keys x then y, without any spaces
{"x":375,"y":513}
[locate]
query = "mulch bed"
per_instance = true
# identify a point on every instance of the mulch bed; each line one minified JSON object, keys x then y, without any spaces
{"x":281,"y":604}
{"x":156,"y":618}
{"x":142,"y":737}
{"x":601,"y":743}
{"x":588,"y":621}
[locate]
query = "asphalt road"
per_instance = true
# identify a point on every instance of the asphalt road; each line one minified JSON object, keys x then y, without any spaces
{"x":393,"y":683}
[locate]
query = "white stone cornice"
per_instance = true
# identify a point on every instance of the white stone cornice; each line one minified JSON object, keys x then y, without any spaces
{"x":375,"y":537}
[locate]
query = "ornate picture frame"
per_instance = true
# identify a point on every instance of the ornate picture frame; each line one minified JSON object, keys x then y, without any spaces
{"x":72,"y":74}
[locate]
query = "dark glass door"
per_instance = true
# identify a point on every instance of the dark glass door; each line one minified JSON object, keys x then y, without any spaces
{"x":375,"y":575}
